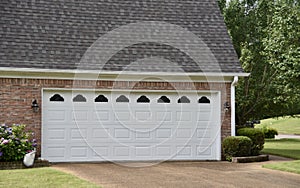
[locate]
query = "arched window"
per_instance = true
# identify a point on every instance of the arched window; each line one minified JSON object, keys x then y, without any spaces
{"x":204,"y":100}
{"x":184,"y":99}
{"x":101,"y":98}
{"x":122,"y":98}
{"x":57,"y":98}
{"x":163,"y":99}
{"x":79,"y":98}
{"x":143,"y":99}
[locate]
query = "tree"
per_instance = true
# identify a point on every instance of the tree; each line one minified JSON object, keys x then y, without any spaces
{"x":265,"y":34}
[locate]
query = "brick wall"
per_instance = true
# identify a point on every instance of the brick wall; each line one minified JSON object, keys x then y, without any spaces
{"x":16,"y":95}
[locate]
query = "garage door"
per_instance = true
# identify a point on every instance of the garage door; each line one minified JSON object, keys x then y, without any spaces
{"x":130,"y":126}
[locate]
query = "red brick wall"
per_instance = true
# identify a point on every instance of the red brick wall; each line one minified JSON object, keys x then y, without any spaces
{"x":16,"y":96}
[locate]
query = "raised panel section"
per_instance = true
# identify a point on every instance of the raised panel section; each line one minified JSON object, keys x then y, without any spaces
{"x":183,"y":116}
{"x":77,"y":134}
{"x":163,"y":116}
{"x":56,"y":152}
{"x":163,"y":151}
{"x":143,"y":115}
{"x":122,"y":116}
{"x":102,"y":115}
{"x":122,"y":133}
{"x":184,"y":150}
{"x":163,"y":133}
{"x":56,"y":115}
{"x":80,"y":115}
{"x":121,"y":151}
{"x":204,"y":150}
{"x":100,"y":151}
{"x":203,"y":133}
{"x":184,"y":133}
{"x":142,"y":134}
{"x":143,"y":151}
{"x":100,"y":133}
{"x":56,"y":134}
{"x":79,"y":152}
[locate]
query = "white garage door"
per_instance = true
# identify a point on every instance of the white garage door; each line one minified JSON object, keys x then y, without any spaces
{"x":121,"y":126}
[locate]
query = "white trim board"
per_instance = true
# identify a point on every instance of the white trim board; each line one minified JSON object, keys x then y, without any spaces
{"x":117,"y":76}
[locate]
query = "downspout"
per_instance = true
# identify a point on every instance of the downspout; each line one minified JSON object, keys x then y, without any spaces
{"x":233,"y":84}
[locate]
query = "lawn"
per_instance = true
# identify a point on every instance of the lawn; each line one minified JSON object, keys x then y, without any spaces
{"x":286,"y":148}
{"x":283,"y":147}
{"x":284,"y":125}
{"x":40,"y":177}
{"x":293,"y":166}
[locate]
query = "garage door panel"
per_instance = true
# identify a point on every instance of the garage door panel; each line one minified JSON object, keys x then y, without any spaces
{"x":100,"y":133}
{"x":121,"y":151}
{"x":184,"y":133}
{"x":56,"y":134}
{"x":56,"y":152}
{"x":79,"y":152}
{"x":110,"y":130}
{"x":122,"y":116}
{"x":183,"y":116}
{"x":184,"y":151}
{"x":143,"y":134}
{"x":204,"y":150}
{"x":101,"y":115}
{"x":143,"y":151}
{"x":163,"y":151}
{"x":78,"y":134}
{"x":56,"y":115}
{"x":164,"y":116}
{"x":80,"y":115}
{"x":100,"y":151}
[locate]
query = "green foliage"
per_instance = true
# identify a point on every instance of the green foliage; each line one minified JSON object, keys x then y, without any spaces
{"x":15,"y":142}
{"x":266,"y":36}
{"x":236,"y":146}
{"x":269,"y":132}
{"x":257,"y":137}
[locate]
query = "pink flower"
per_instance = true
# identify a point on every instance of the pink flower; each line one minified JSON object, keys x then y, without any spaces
{"x":5,"y":142}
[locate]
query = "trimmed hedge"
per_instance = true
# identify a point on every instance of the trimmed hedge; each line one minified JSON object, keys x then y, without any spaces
{"x":236,"y":146}
{"x":269,"y":132}
{"x":256,"y":135}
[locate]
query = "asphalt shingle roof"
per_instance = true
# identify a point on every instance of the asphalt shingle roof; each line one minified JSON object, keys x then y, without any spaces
{"x":56,"y":35}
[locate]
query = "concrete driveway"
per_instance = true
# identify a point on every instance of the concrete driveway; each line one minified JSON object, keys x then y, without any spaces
{"x":182,"y":174}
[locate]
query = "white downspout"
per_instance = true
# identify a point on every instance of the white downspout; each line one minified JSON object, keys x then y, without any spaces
{"x":234,"y":83}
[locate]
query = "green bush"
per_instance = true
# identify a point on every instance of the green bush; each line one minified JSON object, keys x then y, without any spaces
{"x":236,"y":146}
{"x":15,"y":142}
{"x":256,"y":135}
{"x":269,"y":132}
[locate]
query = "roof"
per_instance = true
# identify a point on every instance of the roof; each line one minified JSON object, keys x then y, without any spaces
{"x":113,"y":35}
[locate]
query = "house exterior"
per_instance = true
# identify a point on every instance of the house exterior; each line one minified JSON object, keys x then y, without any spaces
{"x":117,"y":80}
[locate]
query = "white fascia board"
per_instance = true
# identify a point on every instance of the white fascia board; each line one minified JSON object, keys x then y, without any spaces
{"x":69,"y":74}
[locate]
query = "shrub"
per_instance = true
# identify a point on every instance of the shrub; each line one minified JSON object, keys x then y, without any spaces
{"x":236,"y":146}
{"x":15,"y":142}
{"x":269,"y":132}
{"x":257,"y":137}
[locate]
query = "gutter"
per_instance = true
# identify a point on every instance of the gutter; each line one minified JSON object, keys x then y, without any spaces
{"x":232,"y":102}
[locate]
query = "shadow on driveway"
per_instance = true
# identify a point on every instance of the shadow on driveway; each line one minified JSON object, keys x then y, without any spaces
{"x":183,"y":174}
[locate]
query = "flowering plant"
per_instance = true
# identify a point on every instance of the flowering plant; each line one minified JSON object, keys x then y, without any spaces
{"x":15,"y":142}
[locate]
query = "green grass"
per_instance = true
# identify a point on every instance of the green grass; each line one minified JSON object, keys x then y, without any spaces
{"x":293,"y":166}
{"x":286,"y":148}
{"x":283,"y":147}
{"x":284,"y":125}
{"x":40,"y":177}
